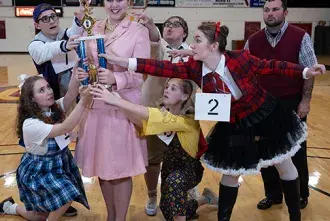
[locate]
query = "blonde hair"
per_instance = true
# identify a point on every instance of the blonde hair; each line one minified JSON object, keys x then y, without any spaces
{"x":187,"y":87}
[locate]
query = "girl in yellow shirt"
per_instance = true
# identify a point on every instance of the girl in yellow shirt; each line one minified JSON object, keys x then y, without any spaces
{"x":174,"y":124}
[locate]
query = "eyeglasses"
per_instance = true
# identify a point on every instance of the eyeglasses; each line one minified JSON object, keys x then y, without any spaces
{"x":46,"y":19}
{"x":175,"y":24}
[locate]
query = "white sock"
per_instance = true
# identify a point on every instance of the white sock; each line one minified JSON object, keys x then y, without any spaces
{"x":10,"y":208}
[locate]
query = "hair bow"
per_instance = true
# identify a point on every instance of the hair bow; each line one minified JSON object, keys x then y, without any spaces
{"x":217,"y":30}
{"x":22,"y":79}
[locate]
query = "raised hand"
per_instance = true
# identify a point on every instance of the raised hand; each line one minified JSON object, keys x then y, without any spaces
{"x":80,"y":74}
{"x":85,"y":94}
{"x":100,"y":92}
{"x":181,"y":53}
{"x":317,"y":69}
{"x":105,"y":76}
{"x":80,"y":13}
{"x":71,"y":43}
{"x":114,"y":59}
{"x":143,"y":18}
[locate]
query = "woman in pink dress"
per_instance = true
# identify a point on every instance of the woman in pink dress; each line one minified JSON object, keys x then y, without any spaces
{"x":108,"y":145}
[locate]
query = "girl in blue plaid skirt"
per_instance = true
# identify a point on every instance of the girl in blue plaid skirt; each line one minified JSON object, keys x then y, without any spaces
{"x":47,"y":177}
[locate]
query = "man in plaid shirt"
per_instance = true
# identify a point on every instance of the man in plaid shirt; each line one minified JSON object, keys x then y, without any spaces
{"x":282,"y":41}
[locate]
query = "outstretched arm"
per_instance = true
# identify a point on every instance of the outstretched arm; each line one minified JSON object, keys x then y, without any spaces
{"x":134,"y":112}
{"x":151,"y":120}
{"x":266,"y":67}
{"x":154,"y":67}
{"x":73,"y":119}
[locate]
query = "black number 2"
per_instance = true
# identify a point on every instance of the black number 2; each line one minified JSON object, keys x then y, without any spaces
{"x":215,"y":106}
{"x":67,"y":136}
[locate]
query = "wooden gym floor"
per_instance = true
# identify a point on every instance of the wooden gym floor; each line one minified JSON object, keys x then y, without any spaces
{"x":250,"y":192}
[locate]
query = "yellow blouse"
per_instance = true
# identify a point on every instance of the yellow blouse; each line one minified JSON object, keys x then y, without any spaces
{"x":186,"y":127}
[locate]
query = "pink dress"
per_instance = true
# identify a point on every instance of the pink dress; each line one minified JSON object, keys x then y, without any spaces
{"x":109,"y":146}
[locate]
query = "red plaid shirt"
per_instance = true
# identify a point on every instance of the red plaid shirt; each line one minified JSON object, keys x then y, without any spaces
{"x":243,"y":67}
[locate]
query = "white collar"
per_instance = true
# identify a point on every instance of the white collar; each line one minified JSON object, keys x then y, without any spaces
{"x":184,"y":45}
{"x":220,"y":69}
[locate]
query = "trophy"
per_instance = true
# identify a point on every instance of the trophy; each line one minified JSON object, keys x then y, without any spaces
{"x":88,"y":24}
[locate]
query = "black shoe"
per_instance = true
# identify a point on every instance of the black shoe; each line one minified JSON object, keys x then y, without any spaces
{"x":303,"y":203}
{"x":267,"y":203}
{"x":70,"y":212}
{"x":10,"y":199}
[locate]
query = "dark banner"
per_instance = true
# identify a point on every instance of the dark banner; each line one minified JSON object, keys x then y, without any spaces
{"x":257,"y":3}
{"x":37,"y":2}
{"x":161,"y":3}
{"x":296,"y":3}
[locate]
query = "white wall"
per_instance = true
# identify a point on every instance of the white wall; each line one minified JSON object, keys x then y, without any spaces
{"x":20,"y":31}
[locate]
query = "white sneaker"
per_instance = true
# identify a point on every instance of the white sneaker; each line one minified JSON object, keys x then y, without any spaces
{"x":211,"y":197}
{"x":151,"y":206}
{"x":8,"y":206}
{"x":193,"y":193}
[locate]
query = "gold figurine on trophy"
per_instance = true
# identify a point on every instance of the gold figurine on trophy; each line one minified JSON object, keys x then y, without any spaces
{"x":88,"y":24}
{"x":88,"y":21}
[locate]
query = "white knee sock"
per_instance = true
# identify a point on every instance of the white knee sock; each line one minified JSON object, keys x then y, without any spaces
{"x":287,"y":170}
{"x":10,"y":208}
{"x":230,"y":181}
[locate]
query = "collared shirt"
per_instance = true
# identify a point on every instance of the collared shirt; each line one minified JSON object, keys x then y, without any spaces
{"x":307,"y":56}
{"x":167,"y":48}
{"x":186,"y":128}
{"x":225,"y":76}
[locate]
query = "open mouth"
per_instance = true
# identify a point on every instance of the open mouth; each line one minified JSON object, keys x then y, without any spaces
{"x":115,"y":11}
{"x":51,"y":98}
{"x":165,"y":97}
{"x":53,"y":27}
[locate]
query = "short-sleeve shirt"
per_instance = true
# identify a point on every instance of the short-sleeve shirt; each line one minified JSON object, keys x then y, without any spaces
{"x":35,"y":133}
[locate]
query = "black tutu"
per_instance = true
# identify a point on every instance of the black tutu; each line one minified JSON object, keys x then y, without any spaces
{"x":234,"y":148}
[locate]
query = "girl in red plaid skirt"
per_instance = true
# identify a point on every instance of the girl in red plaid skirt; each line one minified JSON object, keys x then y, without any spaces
{"x":254,"y":114}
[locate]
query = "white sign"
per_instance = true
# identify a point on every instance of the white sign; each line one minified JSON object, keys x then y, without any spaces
{"x":6,"y":3}
{"x":64,"y":140}
{"x":212,"y":107}
{"x":167,"y":137}
{"x":212,"y":3}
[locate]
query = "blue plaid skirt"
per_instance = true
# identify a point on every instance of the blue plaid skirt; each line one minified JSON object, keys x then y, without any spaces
{"x":46,"y":183}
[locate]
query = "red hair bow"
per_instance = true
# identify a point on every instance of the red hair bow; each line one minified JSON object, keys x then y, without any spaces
{"x":217,"y":30}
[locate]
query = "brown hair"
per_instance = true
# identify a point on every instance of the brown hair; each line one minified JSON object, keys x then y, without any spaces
{"x":27,"y":108}
{"x":187,"y":87}
{"x":284,"y":3}
{"x":210,"y":31}
{"x":183,"y":24}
